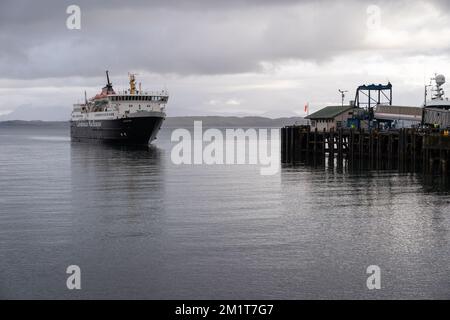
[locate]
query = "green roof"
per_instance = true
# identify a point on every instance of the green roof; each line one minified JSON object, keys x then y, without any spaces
{"x":329,"y":112}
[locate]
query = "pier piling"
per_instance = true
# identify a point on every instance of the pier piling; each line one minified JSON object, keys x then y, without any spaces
{"x":402,"y":149}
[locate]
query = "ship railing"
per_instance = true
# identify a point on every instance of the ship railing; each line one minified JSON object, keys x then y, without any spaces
{"x":162,"y":93}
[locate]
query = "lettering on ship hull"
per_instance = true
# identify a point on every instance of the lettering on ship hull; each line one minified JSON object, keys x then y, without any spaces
{"x":93,"y":124}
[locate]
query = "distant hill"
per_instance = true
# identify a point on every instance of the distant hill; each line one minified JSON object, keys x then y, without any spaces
{"x":33,"y":113}
{"x":230,"y":122}
{"x":181,"y":122}
{"x":33,"y":123}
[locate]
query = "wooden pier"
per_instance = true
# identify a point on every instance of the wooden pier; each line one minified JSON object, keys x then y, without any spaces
{"x":403,"y":149}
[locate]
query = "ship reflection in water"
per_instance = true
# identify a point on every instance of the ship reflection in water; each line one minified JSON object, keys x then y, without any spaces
{"x":139,"y":226}
{"x":120,"y":184}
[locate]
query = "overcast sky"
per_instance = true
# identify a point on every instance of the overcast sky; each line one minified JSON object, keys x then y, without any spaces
{"x":249,"y":57}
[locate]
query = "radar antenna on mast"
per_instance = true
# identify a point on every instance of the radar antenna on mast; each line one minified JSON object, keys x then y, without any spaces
{"x":440,"y":81}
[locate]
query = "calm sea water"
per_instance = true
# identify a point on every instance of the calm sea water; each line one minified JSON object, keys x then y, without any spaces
{"x":141,"y":227}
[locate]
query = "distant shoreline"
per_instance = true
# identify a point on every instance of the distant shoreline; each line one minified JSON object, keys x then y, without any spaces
{"x":177,"y":122}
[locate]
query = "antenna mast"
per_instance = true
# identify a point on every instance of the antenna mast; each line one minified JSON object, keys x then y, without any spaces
{"x":342,"y":92}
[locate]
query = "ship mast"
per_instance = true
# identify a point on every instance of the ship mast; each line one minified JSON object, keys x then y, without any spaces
{"x":132,"y":83}
{"x":108,"y":87}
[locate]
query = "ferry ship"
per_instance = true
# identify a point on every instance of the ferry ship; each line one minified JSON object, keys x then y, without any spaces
{"x":130,"y":117}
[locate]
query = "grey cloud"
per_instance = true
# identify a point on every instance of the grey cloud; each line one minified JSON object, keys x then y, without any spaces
{"x":192,"y":37}
{"x":200,"y":37}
